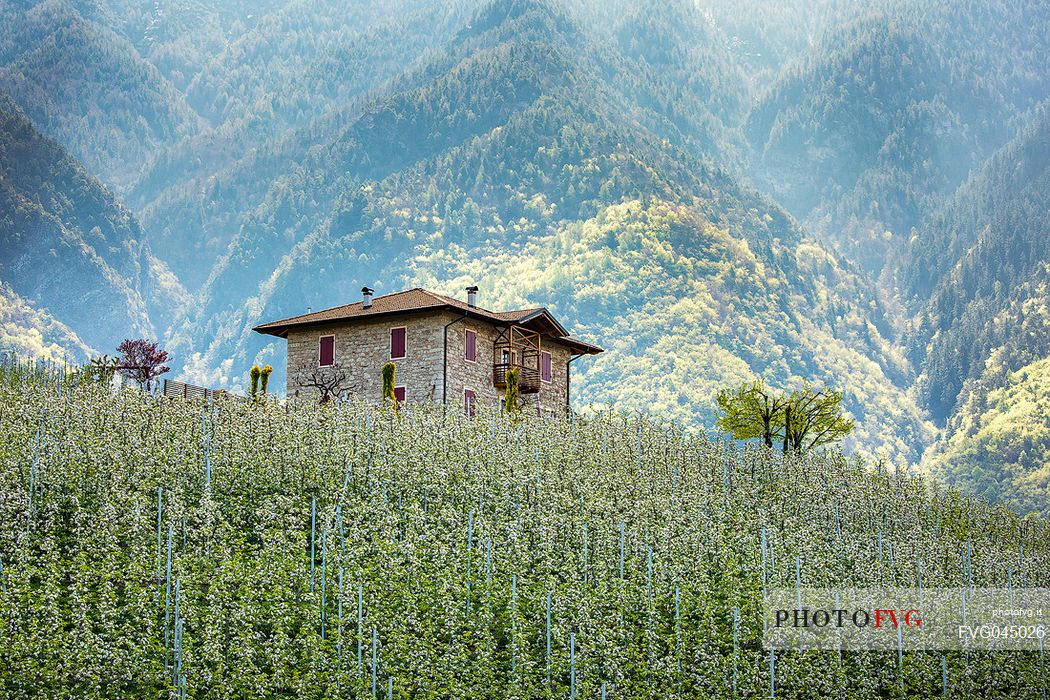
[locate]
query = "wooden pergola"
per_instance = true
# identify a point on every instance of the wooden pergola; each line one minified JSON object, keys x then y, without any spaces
{"x":520,"y":348}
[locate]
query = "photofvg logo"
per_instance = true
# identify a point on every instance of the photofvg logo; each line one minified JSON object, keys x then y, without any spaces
{"x":860,"y":618}
{"x":906,"y":618}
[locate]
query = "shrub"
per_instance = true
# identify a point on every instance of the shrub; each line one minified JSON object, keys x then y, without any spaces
{"x":389,"y":382}
{"x":253,"y":385}
{"x":265,"y":376}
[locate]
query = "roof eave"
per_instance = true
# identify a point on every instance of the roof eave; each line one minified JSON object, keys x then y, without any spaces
{"x":282,"y":329}
{"x":580,"y":347}
{"x":279,"y":332}
{"x":544,"y":312}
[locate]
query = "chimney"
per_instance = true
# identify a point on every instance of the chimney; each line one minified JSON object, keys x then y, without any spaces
{"x":367,"y":293}
{"x":472,"y":297}
{"x":309,"y":309}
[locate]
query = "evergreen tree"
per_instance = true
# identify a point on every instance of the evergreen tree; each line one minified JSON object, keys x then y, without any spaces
{"x":510,"y":395}
{"x":389,"y":379}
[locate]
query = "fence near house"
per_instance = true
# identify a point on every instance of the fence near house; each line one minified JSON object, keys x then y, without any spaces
{"x":181,"y":390}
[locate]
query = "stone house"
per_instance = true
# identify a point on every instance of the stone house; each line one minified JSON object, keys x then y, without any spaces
{"x":446,"y":350}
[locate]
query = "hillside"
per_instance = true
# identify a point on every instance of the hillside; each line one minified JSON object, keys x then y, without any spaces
{"x":765,"y":36}
{"x":297,"y":63}
{"x":31,"y":333}
{"x":846,"y":191}
{"x":672,"y":62}
{"x":529,"y":141}
{"x":67,"y":246}
{"x":316,"y":62}
{"x":993,"y":255}
{"x":87,"y":87}
{"x":867,"y":133}
{"x":999,"y":440}
{"x":982,"y":319}
{"x":152,"y":546}
{"x":180,"y":37}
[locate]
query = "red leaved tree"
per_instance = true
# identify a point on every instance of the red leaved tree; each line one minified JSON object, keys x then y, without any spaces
{"x":142,"y":361}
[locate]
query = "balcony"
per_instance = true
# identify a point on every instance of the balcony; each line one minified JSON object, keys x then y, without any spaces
{"x":528,"y":377}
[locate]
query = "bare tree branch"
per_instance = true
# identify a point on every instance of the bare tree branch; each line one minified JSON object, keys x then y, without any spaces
{"x":329,"y":380}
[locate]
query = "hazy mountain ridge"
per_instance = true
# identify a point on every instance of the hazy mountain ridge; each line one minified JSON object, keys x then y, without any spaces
{"x":867,"y":133}
{"x":339,"y":69}
{"x":993,"y":242}
{"x":981,"y":331}
{"x":68,"y":246}
{"x":87,"y":88}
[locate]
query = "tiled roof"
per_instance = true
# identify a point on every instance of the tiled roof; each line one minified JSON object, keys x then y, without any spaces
{"x":409,"y":301}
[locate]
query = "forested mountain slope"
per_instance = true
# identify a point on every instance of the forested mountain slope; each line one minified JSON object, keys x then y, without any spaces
{"x":537,"y":180}
{"x":999,"y":439}
{"x":30,"y":333}
{"x":670,"y":60}
{"x":85,"y":86}
{"x":303,"y":61}
{"x":180,"y":37}
{"x":710,"y":189}
{"x":867,"y":133}
{"x":978,"y":276}
{"x":66,"y":245}
{"x":982,"y":255}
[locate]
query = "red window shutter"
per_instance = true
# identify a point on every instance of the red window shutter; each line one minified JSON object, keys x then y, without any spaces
{"x":326,"y":354}
{"x":399,"y":394}
{"x":468,"y":402}
{"x":397,"y":343}
{"x":545,"y":367}
{"x":471,"y":345}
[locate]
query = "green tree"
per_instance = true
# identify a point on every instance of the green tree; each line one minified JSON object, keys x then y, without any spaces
{"x":751,"y":411}
{"x":805,"y":419}
{"x":812,"y":418}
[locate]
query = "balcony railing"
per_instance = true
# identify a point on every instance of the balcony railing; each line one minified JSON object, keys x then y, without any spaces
{"x":528,"y":377}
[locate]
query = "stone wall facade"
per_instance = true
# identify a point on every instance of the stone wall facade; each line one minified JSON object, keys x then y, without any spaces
{"x":363,"y":347}
{"x":463,"y":374}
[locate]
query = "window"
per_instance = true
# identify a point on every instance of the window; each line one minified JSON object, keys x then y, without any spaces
{"x":326,"y":351}
{"x":470,"y":346}
{"x":468,"y":402}
{"x":399,"y":394}
{"x":545,"y":366}
{"x":398,"y":343}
